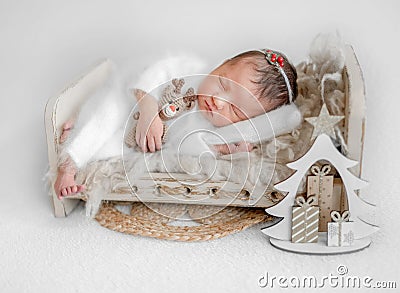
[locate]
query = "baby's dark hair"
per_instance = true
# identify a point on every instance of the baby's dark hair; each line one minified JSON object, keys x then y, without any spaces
{"x":270,"y":84}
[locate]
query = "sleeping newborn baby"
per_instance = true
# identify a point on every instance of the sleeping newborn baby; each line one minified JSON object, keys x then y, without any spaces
{"x":242,"y":87}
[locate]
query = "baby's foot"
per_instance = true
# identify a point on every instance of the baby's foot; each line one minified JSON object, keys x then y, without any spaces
{"x":66,"y":128}
{"x":65,"y":184}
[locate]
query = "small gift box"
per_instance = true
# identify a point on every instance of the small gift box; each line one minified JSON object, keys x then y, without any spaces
{"x":305,"y":218}
{"x":320,"y":184}
{"x":340,"y":232}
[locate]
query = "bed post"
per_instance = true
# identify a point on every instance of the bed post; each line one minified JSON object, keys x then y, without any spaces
{"x":61,"y":207}
{"x":355,"y":119}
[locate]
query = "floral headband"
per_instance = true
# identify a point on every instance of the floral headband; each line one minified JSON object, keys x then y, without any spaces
{"x":274,"y":58}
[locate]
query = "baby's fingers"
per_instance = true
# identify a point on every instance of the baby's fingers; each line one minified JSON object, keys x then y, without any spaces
{"x":244,"y":146}
{"x":223,"y":149}
{"x":143,"y":143}
{"x":137,"y":137}
{"x":151,"y":144}
{"x":157,"y":140}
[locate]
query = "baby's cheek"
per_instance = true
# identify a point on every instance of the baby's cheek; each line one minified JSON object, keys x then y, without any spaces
{"x":201,"y":105}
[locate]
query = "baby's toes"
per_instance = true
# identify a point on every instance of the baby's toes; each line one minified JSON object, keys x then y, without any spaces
{"x":63,"y":137}
{"x":68,"y":124}
{"x":74,"y":189}
{"x":64,"y":191}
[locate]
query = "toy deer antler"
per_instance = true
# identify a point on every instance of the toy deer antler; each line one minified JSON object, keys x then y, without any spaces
{"x":178,"y":84}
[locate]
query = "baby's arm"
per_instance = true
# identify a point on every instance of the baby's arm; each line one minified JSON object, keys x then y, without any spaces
{"x":225,"y":149}
{"x":149,"y":128}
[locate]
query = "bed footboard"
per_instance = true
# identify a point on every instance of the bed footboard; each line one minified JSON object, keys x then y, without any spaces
{"x":58,"y":110}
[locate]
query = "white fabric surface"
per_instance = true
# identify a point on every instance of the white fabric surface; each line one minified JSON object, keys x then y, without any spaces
{"x":260,"y":128}
{"x":44,"y":45}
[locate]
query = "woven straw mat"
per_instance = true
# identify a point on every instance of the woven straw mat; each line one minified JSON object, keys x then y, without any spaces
{"x":152,"y":220}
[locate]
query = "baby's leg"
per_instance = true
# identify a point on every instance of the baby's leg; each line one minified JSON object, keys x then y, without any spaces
{"x":67,"y":126}
{"x":65,"y":183}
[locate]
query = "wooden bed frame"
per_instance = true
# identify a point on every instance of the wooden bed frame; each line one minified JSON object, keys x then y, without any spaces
{"x":66,"y":104}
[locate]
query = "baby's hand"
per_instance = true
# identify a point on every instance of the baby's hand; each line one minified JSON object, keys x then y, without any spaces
{"x":232,"y":148}
{"x":149,"y":132}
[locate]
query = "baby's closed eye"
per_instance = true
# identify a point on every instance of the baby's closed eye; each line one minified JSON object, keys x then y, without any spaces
{"x":238,"y":112}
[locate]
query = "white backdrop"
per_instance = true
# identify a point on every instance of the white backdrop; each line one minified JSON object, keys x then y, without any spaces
{"x":46,"y":44}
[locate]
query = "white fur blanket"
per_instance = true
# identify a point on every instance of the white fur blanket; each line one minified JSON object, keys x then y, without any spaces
{"x":321,"y":72}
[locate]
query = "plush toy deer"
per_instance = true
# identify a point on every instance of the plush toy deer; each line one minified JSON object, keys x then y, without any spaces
{"x":172,"y":104}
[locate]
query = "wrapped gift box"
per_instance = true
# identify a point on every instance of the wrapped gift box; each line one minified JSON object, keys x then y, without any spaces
{"x":340,"y":231}
{"x":305,"y":218}
{"x":335,"y":202}
{"x":320,"y":184}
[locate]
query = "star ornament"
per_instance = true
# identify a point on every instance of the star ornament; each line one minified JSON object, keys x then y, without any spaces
{"x":324,"y":123}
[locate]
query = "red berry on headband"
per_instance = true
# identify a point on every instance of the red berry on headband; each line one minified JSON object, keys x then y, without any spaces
{"x":281,"y":64}
{"x":280,"y":59}
{"x":273,"y":57}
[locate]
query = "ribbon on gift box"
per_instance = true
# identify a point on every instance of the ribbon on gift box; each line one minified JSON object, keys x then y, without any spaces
{"x":305,"y":203}
{"x":320,"y":172}
{"x":340,"y":218}
{"x":317,"y":171}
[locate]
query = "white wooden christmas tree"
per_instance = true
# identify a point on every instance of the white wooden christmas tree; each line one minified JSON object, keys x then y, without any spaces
{"x":322,"y":149}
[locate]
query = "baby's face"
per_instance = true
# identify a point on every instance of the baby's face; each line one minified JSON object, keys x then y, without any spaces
{"x":225,"y":95}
